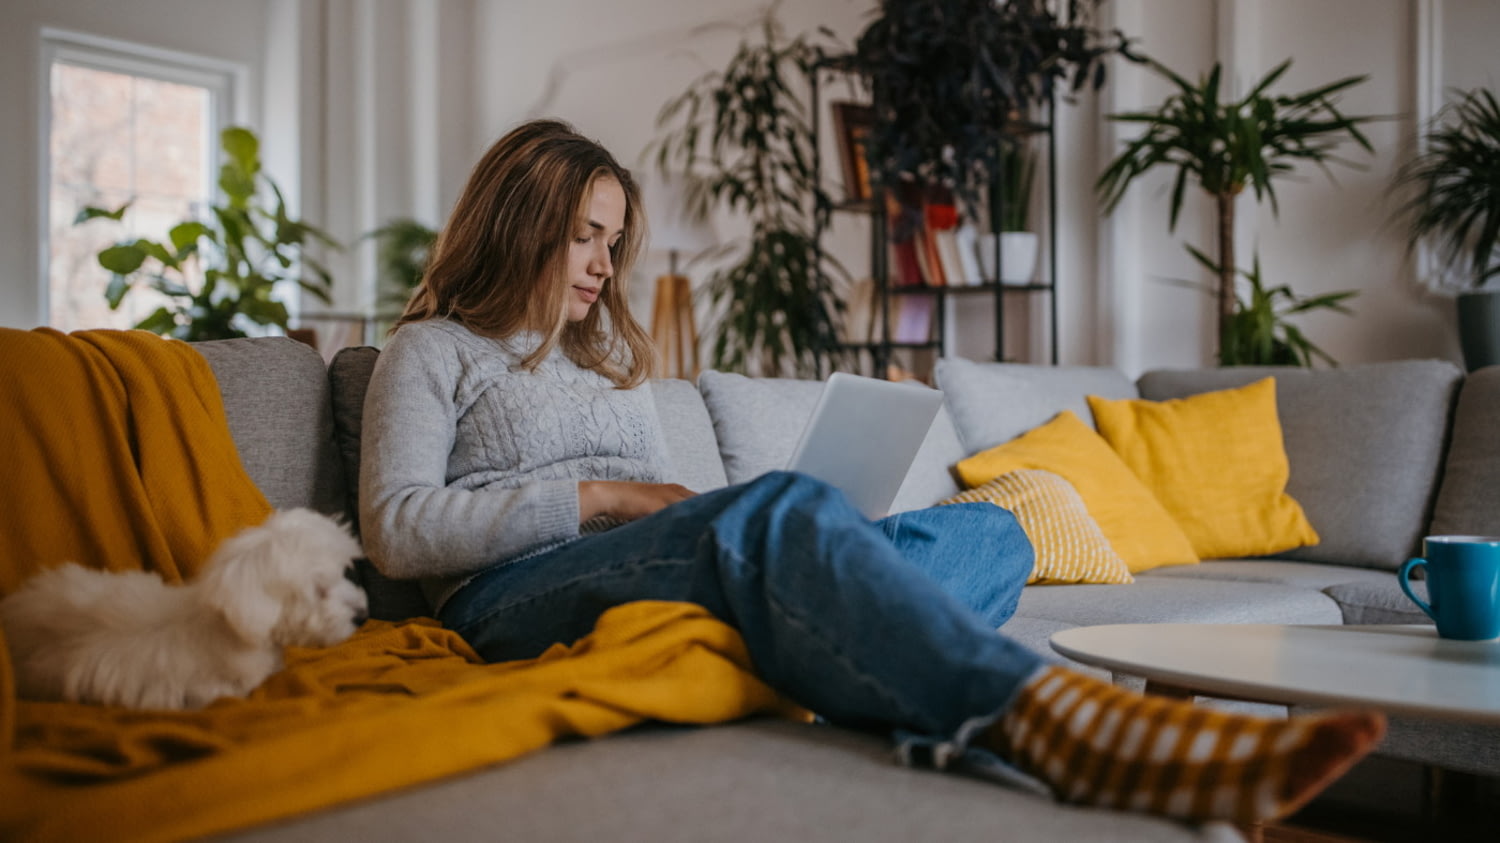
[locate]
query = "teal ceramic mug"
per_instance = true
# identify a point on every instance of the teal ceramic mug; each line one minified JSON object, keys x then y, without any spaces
{"x":1463,"y":585}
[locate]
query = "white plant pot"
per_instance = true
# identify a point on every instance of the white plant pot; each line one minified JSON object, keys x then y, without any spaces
{"x":1019,"y":251}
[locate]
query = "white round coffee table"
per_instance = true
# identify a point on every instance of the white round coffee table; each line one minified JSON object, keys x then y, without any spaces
{"x":1398,"y":669}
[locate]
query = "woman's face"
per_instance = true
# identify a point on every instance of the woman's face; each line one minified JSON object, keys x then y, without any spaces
{"x":590,"y":263}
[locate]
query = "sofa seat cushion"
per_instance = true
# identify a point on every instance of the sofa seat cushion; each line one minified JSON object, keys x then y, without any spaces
{"x":1363,"y":595}
{"x":1365,"y":445}
{"x":1379,"y":602}
{"x":760,"y":779}
{"x":993,"y":403}
{"x":1312,"y":575}
{"x":1153,"y":599}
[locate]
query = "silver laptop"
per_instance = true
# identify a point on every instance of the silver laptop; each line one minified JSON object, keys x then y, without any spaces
{"x":863,"y":436}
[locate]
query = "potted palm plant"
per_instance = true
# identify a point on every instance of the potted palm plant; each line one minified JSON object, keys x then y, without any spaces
{"x":743,"y":138}
{"x":1455,"y":201}
{"x":219,"y":273}
{"x":1227,"y":146}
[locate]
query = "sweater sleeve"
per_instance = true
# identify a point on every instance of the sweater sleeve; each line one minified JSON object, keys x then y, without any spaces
{"x":414,"y":525}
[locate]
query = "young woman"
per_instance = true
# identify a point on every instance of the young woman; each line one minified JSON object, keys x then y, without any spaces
{"x":513,"y":462}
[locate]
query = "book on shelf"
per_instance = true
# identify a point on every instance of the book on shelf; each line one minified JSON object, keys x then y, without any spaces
{"x":966,"y":247}
{"x":860,"y":306}
{"x":913,"y":322}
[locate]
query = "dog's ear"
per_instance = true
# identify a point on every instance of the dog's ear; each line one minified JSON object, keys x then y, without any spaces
{"x":235,"y":584}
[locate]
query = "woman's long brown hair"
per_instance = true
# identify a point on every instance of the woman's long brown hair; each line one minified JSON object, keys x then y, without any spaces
{"x":499,"y":265}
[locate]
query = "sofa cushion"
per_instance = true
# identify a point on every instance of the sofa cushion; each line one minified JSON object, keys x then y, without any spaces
{"x":1068,"y":545}
{"x":759,"y":420}
{"x":1216,"y":462}
{"x":1365,"y":445}
{"x":692,"y":448}
{"x":756,"y":780}
{"x":276,"y":398}
{"x":1312,"y":575}
{"x":1379,"y":602}
{"x":1137,"y":526}
{"x":1153,"y":599}
{"x":1468,"y":503}
{"x":348,"y":377}
{"x":994,"y":403}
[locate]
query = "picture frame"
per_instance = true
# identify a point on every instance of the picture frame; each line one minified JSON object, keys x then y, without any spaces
{"x":852,"y":123}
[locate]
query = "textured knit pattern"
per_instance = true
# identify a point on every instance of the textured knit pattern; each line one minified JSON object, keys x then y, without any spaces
{"x":1069,"y":546}
{"x":1098,"y":744}
{"x":469,"y":459}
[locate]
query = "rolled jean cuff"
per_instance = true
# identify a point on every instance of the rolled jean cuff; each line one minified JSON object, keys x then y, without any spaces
{"x":956,"y":752}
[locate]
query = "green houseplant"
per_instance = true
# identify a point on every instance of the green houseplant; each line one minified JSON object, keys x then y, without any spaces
{"x":402,"y":248}
{"x":1261,"y":333}
{"x":743,"y":137}
{"x":1455,"y":202}
{"x":219,"y":273}
{"x":953,"y":82}
{"x":1227,"y":146}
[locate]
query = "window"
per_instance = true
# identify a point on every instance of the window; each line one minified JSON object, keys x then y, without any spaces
{"x":124,"y":124}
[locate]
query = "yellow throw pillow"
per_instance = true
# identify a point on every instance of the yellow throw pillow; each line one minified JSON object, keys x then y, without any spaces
{"x":1217,"y":462}
{"x":1136,"y":525}
{"x":1068,"y":544}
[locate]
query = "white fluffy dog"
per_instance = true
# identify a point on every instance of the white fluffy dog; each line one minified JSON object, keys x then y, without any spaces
{"x":131,"y":639}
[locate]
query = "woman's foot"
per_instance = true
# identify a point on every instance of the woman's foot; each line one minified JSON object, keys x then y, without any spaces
{"x":1097,"y":744}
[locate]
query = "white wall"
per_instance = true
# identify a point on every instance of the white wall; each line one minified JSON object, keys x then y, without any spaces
{"x":377,"y":108}
{"x":226,"y":29}
{"x":1329,"y":235}
{"x":608,"y":68}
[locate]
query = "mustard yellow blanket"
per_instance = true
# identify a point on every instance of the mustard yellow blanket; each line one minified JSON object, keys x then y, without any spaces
{"x":123,"y":459}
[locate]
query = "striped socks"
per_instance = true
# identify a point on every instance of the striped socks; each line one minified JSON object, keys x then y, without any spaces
{"x":1097,"y":744}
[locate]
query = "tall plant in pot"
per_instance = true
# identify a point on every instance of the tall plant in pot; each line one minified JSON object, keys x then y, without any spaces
{"x":1228,"y":146}
{"x":743,"y":136}
{"x":1455,"y":202}
{"x":1010,"y":218}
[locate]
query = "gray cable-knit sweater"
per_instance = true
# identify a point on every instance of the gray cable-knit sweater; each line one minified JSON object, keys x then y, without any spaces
{"x":467,"y":459}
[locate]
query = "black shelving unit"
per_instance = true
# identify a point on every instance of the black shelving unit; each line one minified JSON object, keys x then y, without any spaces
{"x":881,"y":345}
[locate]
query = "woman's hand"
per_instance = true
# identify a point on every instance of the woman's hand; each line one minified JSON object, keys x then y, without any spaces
{"x":626,"y":501}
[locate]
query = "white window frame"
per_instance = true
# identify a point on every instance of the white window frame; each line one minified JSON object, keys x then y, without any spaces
{"x":226,"y":81}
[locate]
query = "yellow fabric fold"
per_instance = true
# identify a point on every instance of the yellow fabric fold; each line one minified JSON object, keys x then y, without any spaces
{"x":117,"y":454}
{"x":121,"y":458}
{"x":393,"y":706}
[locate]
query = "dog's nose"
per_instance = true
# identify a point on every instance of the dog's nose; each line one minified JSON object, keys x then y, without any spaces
{"x":360,"y":618}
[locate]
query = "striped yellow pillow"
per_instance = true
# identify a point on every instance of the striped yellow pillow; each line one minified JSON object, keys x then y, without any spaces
{"x":1069,"y":546}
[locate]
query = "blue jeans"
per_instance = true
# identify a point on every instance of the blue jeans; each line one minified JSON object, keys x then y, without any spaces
{"x":846,"y":617}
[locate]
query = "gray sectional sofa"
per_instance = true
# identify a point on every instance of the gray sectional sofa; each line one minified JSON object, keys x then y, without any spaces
{"x":1381,"y":455}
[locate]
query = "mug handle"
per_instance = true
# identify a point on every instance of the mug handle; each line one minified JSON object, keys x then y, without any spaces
{"x":1405,"y":577}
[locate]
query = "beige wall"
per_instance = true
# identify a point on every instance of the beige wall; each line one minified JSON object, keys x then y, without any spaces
{"x":180,"y":25}
{"x":1329,"y":235}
